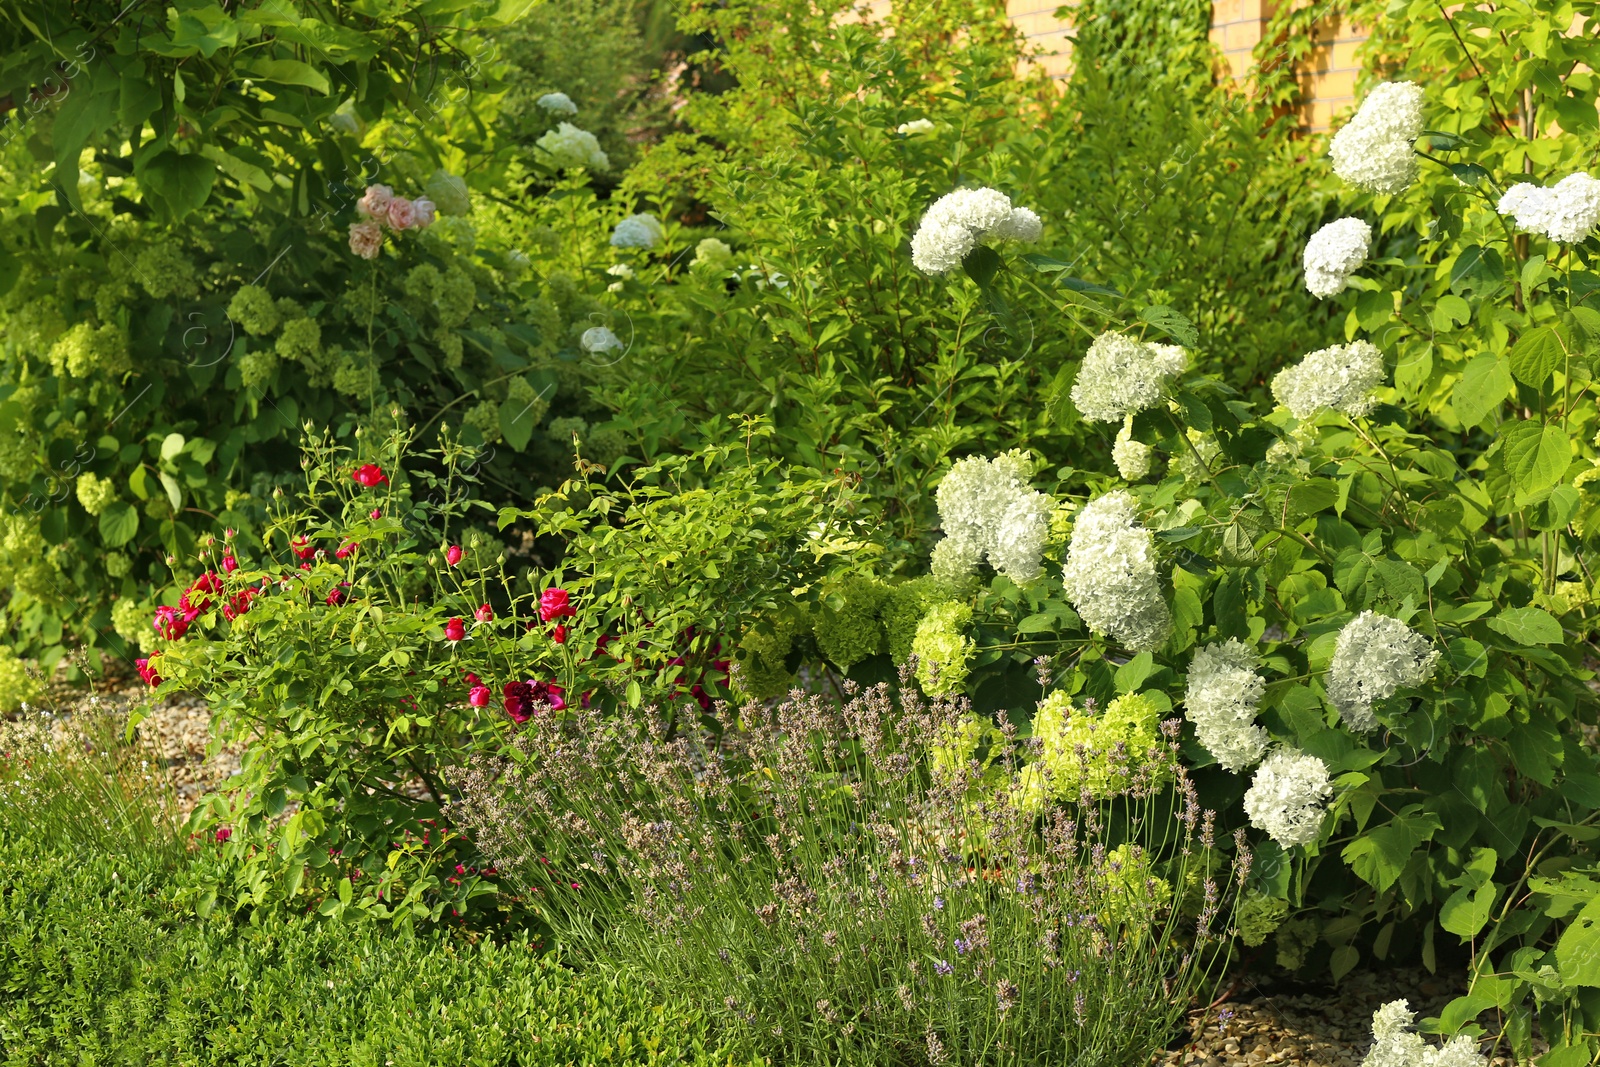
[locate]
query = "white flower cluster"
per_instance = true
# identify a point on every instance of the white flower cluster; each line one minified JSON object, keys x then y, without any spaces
{"x":1375,"y":656}
{"x":637,"y":231}
{"x":1342,"y":378}
{"x":558,"y":103}
{"x":1394,"y":1044}
{"x":1334,"y":253}
{"x":1120,"y":376}
{"x":1373,"y":151}
{"x":1566,"y":213}
{"x":599,"y":340}
{"x":569,"y":148}
{"x":1224,"y":690}
{"x":1131,"y":457}
{"x":987,"y":510}
{"x":914,"y":126}
{"x":1110,"y":574}
{"x":960,"y":221}
{"x":1287,"y":796}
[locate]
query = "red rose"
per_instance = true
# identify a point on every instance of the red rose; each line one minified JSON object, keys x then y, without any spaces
{"x":223,"y":833}
{"x":171,"y":623}
{"x":518,"y":698}
{"x":339,"y":595}
{"x":452,"y":555}
{"x":555,"y":604}
{"x":377,"y":513}
{"x":147,"y":670}
{"x":370,"y":475}
{"x":559,"y":634}
{"x":479,"y":697}
{"x":455,"y":630}
{"x":348,"y":549}
{"x":302,"y":547}
{"x":484,"y":613}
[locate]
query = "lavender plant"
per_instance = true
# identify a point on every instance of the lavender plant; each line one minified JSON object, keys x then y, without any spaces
{"x":867,"y":880}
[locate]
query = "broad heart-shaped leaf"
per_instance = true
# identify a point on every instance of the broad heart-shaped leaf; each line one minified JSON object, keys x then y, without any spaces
{"x":1578,"y":951}
{"x":181,"y":182}
{"x":1171,"y":323}
{"x":118,"y":523}
{"x":1483,"y":387}
{"x":982,"y":264}
{"x":1537,"y":354}
{"x":1379,"y":857}
{"x":516,"y":423}
{"x":1528,"y":626}
{"x":1536,"y":455}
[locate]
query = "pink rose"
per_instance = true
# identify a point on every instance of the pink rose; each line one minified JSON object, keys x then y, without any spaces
{"x":376,"y":201}
{"x":479,"y":696}
{"x":452,"y":555}
{"x":402,"y":214}
{"x":366,"y":239}
{"x":425,"y":210}
{"x":485,"y":613}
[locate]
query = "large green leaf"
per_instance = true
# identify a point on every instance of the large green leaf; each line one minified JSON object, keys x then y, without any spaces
{"x":287,"y":72}
{"x":181,"y":182}
{"x":1537,"y":354}
{"x":1578,"y":951}
{"x":1536,"y":455}
{"x":1528,"y":626}
{"x":1484,"y":386}
{"x":118,"y":523}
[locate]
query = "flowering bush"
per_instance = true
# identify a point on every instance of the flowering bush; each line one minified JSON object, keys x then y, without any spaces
{"x":854,"y":880}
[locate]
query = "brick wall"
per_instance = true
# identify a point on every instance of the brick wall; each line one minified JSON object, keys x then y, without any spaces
{"x":1328,"y":78}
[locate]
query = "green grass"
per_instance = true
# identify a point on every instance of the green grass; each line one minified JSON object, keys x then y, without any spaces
{"x":97,"y":966}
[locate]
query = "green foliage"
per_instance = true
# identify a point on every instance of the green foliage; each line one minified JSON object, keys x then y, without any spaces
{"x":98,"y":963}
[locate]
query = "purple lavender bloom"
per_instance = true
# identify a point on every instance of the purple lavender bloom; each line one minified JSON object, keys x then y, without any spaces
{"x":943,"y":969}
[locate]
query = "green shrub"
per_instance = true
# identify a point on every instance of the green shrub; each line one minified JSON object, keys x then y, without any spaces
{"x":98,"y":964}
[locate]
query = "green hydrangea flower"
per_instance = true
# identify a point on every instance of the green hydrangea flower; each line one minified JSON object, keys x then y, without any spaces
{"x":713,"y":254}
{"x":449,"y":343}
{"x":762,"y":652}
{"x":1134,"y":894}
{"x":26,"y":566}
{"x":485,"y":418}
{"x":132,"y":622}
{"x":17,"y":685}
{"x":165,"y":272}
{"x":901,"y":610}
{"x":117,"y":564}
{"x":455,"y":297}
{"x":943,"y":649}
{"x":1259,"y":915}
{"x":1295,"y":940}
{"x":354,"y":376}
{"x":85,"y":351}
{"x":95,"y":493}
{"x":1132,"y":721}
{"x":257,"y":368}
{"x":252,"y":307}
{"x":851,"y":632}
{"x":301,"y":340}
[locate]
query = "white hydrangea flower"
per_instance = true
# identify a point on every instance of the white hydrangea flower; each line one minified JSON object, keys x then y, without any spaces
{"x":1120,"y":376}
{"x":987,"y":510}
{"x":1342,"y":377}
{"x":1287,"y":796}
{"x":954,"y":564}
{"x":637,"y":231}
{"x":1224,"y":690}
{"x":1131,"y":457}
{"x":1334,"y":253}
{"x":1568,"y":212}
{"x":1110,"y":574}
{"x":569,"y":148}
{"x":1395,"y":1044}
{"x":1373,"y":151}
{"x":599,"y":339}
{"x":1020,"y":537}
{"x":914,"y":126}
{"x":558,"y":103}
{"x":960,"y":221}
{"x":1374,"y":657}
